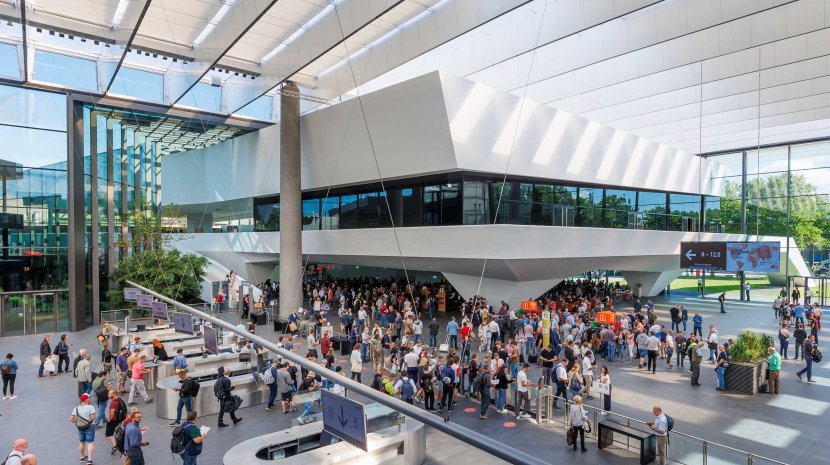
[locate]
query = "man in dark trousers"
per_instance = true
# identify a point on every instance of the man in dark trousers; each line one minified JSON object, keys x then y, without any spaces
{"x":226,"y":397}
{"x":45,"y":352}
{"x":561,"y":374}
{"x":433,"y":332}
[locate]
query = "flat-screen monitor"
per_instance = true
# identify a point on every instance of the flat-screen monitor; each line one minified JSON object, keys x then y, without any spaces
{"x":140,"y":328}
{"x":211,"y":340}
{"x":244,"y":357}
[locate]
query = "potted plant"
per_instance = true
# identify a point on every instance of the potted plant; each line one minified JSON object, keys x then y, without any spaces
{"x":747,"y":362}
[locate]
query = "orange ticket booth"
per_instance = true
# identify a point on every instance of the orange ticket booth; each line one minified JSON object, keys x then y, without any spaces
{"x":606,"y":317}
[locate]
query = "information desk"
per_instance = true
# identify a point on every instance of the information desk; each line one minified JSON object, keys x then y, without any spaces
{"x":251,"y":392}
{"x":196,"y":361}
{"x":647,"y":440}
{"x":391,"y":441}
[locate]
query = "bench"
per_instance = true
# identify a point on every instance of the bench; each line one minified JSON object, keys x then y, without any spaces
{"x":647,"y":439}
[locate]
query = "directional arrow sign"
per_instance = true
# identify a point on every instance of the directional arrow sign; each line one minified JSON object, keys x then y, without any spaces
{"x":345,"y":419}
{"x":703,"y":255}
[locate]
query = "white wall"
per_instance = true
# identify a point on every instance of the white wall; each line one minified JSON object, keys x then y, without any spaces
{"x":432,"y":124}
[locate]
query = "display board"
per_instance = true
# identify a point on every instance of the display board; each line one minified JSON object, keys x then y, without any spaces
{"x":130,"y":294}
{"x":211,"y":340}
{"x":345,"y":419}
{"x":183,"y":323}
{"x":160,"y":311}
{"x":144,"y":301}
{"x":703,"y":255}
{"x":760,"y":257}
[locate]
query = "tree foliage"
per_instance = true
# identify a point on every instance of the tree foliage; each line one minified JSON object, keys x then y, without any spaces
{"x":767,"y":209}
{"x":154,"y":264}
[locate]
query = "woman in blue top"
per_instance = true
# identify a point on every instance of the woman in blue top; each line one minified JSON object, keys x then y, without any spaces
{"x":9,"y":371}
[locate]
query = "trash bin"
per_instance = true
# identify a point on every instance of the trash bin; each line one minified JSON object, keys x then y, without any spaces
{"x":345,"y":347}
{"x":260,"y":319}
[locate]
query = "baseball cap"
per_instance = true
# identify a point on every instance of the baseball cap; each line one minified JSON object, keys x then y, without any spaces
{"x":84,"y":397}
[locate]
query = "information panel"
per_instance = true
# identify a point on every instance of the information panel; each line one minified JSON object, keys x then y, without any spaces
{"x":761,"y":257}
{"x":703,"y":255}
{"x":130,"y":293}
{"x":211,"y":340}
{"x":344,"y":418}
{"x":160,"y":311}
{"x":183,"y":323}
{"x":144,"y":301}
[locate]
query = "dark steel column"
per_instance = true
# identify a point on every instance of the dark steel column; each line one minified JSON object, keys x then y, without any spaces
{"x":94,"y":214}
{"x":112,"y":254}
{"x":743,"y":218}
{"x":77,"y":219}
{"x":291,"y":204}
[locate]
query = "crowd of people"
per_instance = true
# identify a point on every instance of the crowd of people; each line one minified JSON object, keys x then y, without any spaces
{"x":486,"y":354}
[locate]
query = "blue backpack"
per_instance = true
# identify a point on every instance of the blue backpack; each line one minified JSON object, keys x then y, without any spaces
{"x":448,"y":376}
{"x":406,"y":388}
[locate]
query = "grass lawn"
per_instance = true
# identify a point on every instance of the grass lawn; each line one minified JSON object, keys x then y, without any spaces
{"x":717,"y":283}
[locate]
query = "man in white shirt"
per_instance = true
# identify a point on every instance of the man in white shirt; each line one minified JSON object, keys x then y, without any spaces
{"x":587,"y":374}
{"x":19,"y":448}
{"x":411,"y":361}
{"x":522,"y":393}
{"x":653,"y":347}
{"x":361,"y":319}
{"x":660,"y":426}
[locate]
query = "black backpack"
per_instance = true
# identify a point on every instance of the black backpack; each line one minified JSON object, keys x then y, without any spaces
{"x":119,"y":434}
{"x":101,"y":393}
{"x":816,"y":355}
{"x":194,"y":389}
{"x":218,"y":390}
{"x":121,"y":413}
{"x":179,"y":440}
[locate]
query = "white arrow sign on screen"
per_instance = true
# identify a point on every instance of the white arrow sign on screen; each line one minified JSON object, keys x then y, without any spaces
{"x":689,"y":255}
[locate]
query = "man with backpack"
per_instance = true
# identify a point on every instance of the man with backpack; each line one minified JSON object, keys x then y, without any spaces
{"x":100,"y":391}
{"x":561,"y":375}
{"x":447,"y":378}
{"x":269,"y":377}
{"x":116,"y":414}
{"x":187,"y":439}
{"x":661,"y":426}
{"x":188,"y":390}
{"x":406,"y":388}
{"x":19,"y":448}
{"x":222,"y":390}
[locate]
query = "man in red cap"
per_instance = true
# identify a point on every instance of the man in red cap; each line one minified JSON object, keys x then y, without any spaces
{"x":83,"y":416}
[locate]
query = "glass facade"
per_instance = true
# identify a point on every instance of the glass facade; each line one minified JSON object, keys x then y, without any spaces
{"x":792,"y":179}
{"x":466,"y":199}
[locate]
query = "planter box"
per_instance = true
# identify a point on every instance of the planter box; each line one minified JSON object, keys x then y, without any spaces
{"x":745,"y":378}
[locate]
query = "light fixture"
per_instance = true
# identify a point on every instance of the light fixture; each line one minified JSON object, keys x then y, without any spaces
{"x":226,"y":7}
{"x":120,"y":11}
{"x":311,"y":22}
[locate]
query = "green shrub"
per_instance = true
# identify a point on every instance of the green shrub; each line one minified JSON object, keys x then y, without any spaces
{"x":749,"y":347}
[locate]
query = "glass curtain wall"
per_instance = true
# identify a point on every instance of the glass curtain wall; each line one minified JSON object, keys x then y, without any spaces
{"x":795,"y":176}
{"x":471,"y":200}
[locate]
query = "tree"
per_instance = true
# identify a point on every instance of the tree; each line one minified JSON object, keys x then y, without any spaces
{"x":155,"y":264}
{"x":767,"y":209}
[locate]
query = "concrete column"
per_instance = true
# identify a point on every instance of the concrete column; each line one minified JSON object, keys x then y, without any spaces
{"x":291,"y":205}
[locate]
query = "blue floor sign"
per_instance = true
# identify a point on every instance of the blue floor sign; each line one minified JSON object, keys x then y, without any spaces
{"x":344,"y":418}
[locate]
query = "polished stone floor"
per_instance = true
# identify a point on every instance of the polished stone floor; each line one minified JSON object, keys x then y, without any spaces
{"x":790,"y":427}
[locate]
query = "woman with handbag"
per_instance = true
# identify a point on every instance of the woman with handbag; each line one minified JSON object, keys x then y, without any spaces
{"x":504,"y":380}
{"x":578,"y":419}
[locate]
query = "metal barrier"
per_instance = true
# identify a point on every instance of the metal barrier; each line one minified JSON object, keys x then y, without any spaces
{"x":683,"y":448}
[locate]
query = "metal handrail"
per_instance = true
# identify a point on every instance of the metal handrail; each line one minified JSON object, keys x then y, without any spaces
{"x":32,"y":292}
{"x":469,"y":436}
{"x":704,"y":442}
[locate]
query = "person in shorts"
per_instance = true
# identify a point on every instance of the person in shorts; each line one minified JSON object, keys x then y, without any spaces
{"x":82,"y":417}
{"x":112,"y":417}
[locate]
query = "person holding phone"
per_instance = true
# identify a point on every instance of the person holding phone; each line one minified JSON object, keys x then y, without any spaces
{"x":133,"y":439}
